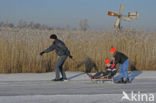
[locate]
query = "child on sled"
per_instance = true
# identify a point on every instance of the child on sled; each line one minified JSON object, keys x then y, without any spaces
{"x":110,"y":71}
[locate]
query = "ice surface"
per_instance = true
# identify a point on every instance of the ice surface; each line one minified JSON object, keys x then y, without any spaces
{"x":37,"y":88}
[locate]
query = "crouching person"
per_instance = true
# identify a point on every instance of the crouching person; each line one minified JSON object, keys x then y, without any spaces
{"x":123,"y":60}
{"x":63,"y":52}
{"x":110,"y":70}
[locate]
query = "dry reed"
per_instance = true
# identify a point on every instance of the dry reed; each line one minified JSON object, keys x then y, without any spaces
{"x":20,"y":48}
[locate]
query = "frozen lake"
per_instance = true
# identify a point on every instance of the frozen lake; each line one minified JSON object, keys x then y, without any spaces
{"x":37,"y":88}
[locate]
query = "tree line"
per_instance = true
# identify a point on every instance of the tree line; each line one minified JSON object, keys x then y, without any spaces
{"x":82,"y":25}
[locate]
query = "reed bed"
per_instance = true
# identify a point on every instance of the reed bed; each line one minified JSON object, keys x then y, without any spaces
{"x":20,"y":48}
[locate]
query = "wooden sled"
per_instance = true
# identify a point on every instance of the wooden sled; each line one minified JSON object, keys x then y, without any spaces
{"x":103,"y":79}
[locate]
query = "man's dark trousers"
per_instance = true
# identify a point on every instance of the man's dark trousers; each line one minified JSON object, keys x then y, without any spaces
{"x":59,"y":65}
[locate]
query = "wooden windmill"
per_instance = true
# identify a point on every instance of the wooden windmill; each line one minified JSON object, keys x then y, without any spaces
{"x":120,"y":16}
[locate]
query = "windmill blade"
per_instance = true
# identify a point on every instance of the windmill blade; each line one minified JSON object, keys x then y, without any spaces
{"x":110,"y":13}
{"x":137,"y":15}
{"x":125,"y":18}
{"x":133,"y":15}
{"x":121,"y":9}
{"x":117,"y":22}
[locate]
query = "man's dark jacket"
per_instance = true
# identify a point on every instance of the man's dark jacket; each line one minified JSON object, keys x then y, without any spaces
{"x":59,"y":47}
{"x":120,"y":58}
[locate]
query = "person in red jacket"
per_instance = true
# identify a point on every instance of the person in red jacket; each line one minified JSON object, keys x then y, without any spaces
{"x":123,"y":60}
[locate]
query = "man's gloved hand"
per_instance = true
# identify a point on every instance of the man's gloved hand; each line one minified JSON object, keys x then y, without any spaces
{"x":71,"y":57}
{"x":42,"y":53}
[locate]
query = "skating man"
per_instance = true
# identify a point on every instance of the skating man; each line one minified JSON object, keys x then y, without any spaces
{"x":123,"y":60}
{"x":63,"y":52}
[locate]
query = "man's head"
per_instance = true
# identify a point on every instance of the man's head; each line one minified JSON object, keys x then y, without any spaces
{"x":53,"y":37}
{"x":113,"y":51}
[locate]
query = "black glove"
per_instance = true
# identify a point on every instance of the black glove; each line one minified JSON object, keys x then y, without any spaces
{"x":42,"y":53}
{"x":71,"y":57}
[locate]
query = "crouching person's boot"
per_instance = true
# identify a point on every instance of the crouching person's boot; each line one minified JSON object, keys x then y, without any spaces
{"x":120,"y":80}
{"x":126,"y":80}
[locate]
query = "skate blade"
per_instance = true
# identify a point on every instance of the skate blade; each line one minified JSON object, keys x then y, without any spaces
{"x":66,"y":80}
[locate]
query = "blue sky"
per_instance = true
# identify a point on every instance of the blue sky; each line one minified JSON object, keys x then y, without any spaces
{"x":70,"y":12}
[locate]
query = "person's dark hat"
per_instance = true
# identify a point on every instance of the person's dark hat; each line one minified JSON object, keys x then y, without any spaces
{"x":53,"y":36}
